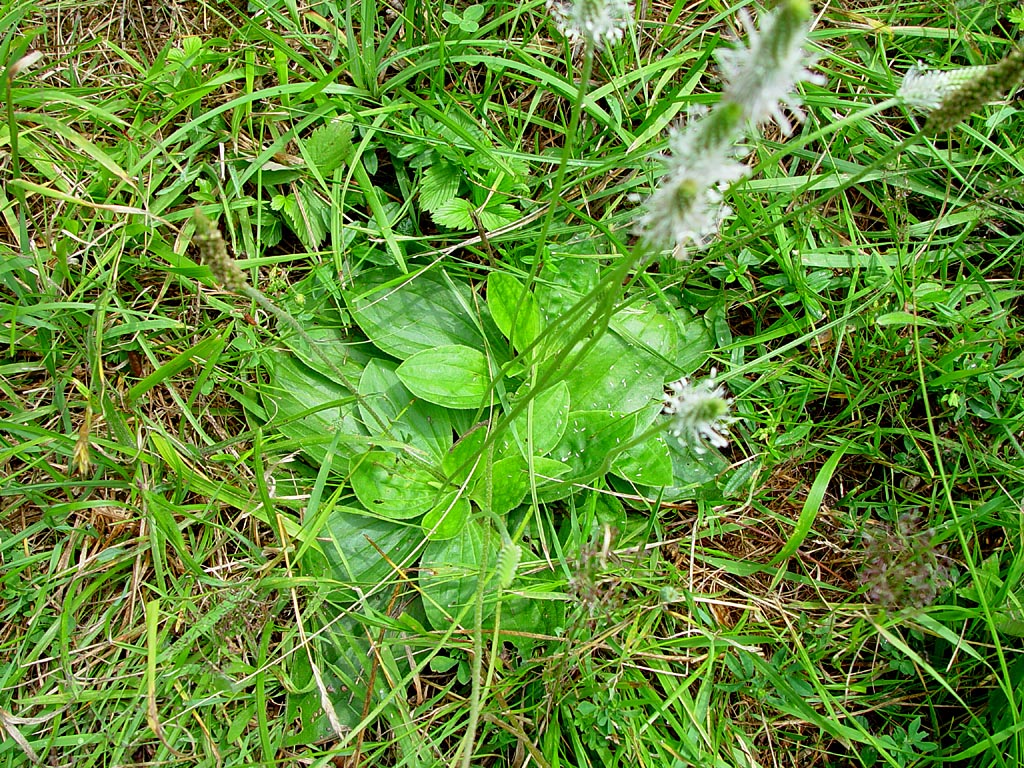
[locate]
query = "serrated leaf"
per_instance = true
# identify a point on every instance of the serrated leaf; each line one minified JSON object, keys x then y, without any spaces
{"x":498,"y":216}
{"x":330,"y":146}
{"x":454,"y":214}
{"x":439,"y":185}
{"x":436,"y":129}
{"x":453,"y":376}
{"x":305,"y":214}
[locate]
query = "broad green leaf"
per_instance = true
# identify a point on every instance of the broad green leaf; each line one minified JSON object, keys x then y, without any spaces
{"x":352,"y":542}
{"x":548,"y":414}
{"x":309,"y":408}
{"x":342,"y":650}
{"x":510,"y":482}
{"x":349,"y":359}
{"x":648,"y":463}
{"x":348,"y":540}
{"x":590,"y":437}
{"x":695,"y":342}
{"x":514,"y":310}
{"x":690,"y":470}
{"x":407,"y":419}
{"x":453,"y":376}
{"x":507,"y":488}
{"x":450,"y":571}
{"x":391,"y":485}
{"x":626,"y":369}
{"x":447,"y":518}
{"x":403,"y":314}
{"x":464,"y":460}
{"x":564,"y":280}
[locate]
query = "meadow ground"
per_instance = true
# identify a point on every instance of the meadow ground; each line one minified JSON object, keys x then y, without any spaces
{"x":403,"y":495}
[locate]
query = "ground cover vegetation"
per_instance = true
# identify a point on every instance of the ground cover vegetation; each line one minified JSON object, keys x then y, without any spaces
{"x":566,"y":384}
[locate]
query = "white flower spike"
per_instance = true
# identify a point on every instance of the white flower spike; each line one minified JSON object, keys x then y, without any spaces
{"x":699,"y":413}
{"x":950,"y":97}
{"x":687,"y":208}
{"x":925,"y":90}
{"x":594,"y":22}
{"x":762,"y":76}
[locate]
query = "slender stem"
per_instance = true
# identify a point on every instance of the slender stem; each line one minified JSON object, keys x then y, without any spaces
{"x":567,"y":147}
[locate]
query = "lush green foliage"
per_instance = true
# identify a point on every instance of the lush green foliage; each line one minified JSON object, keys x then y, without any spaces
{"x":443,"y":523}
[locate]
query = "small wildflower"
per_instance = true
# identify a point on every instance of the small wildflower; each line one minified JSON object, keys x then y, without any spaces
{"x":214,"y":252}
{"x":687,"y":209}
{"x":903,"y":567}
{"x":668,"y":595}
{"x":761,"y":76}
{"x":699,"y":413}
{"x":960,"y":93}
{"x":594,"y":22}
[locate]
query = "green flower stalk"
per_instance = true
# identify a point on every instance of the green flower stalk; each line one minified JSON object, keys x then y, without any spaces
{"x":951,"y":97}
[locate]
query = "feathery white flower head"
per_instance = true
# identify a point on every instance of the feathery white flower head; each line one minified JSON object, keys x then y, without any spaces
{"x":687,"y":209}
{"x":761,"y":76}
{"x":699,"y":413}
{"x":594,"y":22}
{"x":926,"y":89}
{"x":951,"y":97}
